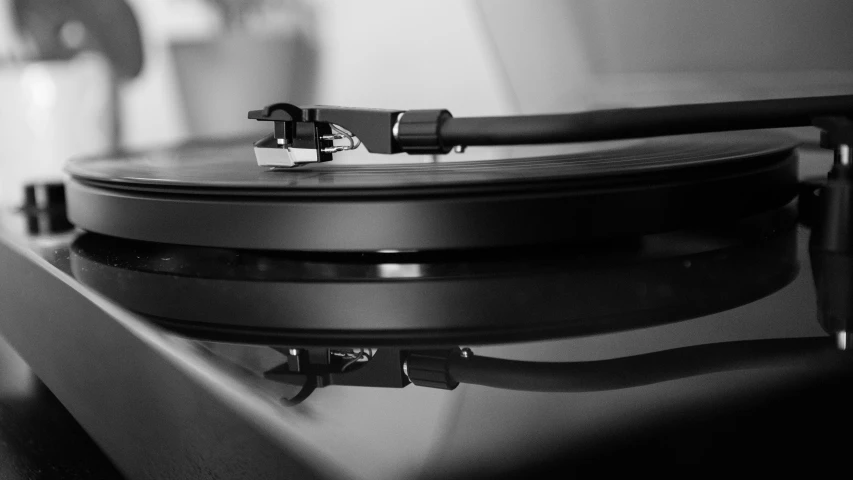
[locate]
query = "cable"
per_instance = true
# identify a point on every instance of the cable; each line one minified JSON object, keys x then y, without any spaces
{"x":306,"y":391}
{"x":620,"y":373}
{"x":641,"y":122}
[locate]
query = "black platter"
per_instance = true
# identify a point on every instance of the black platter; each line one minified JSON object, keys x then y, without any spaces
{"x":439,"y":298}
{"x":214,"y":196}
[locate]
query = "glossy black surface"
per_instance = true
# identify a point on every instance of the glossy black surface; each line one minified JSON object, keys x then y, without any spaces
{"x":795,"y":429}
{"x":166,"y":406}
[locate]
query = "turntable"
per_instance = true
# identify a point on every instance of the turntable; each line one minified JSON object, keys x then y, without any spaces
{"x":274,"y":306}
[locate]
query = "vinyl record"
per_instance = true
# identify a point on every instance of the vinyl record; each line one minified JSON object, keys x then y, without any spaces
{"x":216,"y":196}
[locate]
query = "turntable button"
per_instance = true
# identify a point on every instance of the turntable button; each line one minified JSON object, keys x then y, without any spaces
{"x":44,"y":207}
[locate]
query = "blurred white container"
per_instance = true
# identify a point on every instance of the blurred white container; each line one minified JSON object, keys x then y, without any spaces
{"x":222,"y":78}
{"x":52,"y":111}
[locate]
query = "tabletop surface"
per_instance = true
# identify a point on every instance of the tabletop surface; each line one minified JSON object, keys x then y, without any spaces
{"x":38,"y":437}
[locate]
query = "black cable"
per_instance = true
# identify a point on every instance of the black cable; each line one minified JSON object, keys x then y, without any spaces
{"x":307,"y":389}
{"x":641,"y":122}
{"x":640,"y":369}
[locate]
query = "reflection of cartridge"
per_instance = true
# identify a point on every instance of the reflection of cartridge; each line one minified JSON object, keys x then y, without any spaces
{"x":831,"y":245}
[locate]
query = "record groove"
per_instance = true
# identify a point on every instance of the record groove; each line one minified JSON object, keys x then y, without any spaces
{"x":215,"y":196}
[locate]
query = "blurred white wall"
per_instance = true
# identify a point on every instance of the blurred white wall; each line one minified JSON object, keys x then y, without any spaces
{"x":414,"y":54}
{"x":490,"y":57}
{"x":378,"y":53}
{"x":51,"y":111}
{"x":646,"y":52}
{"x":473,"y":57}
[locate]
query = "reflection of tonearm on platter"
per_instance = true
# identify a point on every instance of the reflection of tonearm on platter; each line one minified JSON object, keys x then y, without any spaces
{"x":322,"y":128}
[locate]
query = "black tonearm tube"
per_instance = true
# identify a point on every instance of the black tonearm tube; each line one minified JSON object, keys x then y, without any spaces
{"x":449,"y":367}
{"x":642,"y":122}
{"x":446,"y":369}
{"x":438,"y":132}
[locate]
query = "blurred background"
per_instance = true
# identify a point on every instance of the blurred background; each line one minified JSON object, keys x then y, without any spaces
{"x":83,"y":77}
